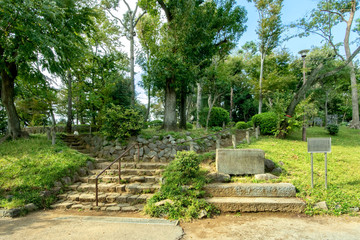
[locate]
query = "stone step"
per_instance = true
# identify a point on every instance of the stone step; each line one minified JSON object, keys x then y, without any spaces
{"x":103,"y":197}
{"x":109,"y":207}
{"x":258,"y":204}
{"x":250,"y":190}
{"x":137,"y":165}
{"x":115,"y":179}
{"x":132,"y":188}
{"x":129,"y":171}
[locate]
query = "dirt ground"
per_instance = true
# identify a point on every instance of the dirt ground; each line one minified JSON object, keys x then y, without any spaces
{"x":273,"y":226}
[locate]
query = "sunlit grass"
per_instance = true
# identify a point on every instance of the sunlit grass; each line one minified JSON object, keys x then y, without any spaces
{"x":29,"y":166}
{"x":291,"y":155}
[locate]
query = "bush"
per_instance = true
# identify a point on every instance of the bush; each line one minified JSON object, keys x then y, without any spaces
{"x":155,"y":123}
{"x":267,"y":122}
{"x":333,"y":129}
{"x":183,"y":186}
{"x":218,"y":116}
{"x":189,"y":126}
{"x":250,"y":124}
{"x":120,"y":122}
{"x":241,"y":125}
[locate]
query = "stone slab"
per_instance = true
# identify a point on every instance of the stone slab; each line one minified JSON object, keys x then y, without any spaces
{"x":240,"y":161}
{"x":236,"y":204}
{"x":251,"y":190}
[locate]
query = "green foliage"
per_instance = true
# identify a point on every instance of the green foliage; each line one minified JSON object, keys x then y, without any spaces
{"x":3,"y":120}
{"x":342,"y":193}
{"x":29,"y":166}
{"x":241,"y":125}
{"x":333,"y":129}
{"x":120,"y":122}
{"x":183,"y":185}
{"x":189,"y":126}
{"x":154,"y":124}
{"x":218,"y":116}
{"x":250,"y":124}
{"x":267,"y":122}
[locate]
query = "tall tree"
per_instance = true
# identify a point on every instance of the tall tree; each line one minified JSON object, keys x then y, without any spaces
{"x":269,"y":30}
{"x":129,"y":22}
{"x":42,"y":32}
{"x":321,"y":21}
{"x":195,"y":31}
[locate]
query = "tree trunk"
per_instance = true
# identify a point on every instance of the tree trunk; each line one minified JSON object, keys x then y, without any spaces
{"x":198,"y":104}
{"x":147,"y":117}
{"x":132,"y":63}
{"x":69,"y":110}
{"x":354,"y":90}
{"x":326,"y":106}
{"x":170,"y":106}
{"x":260,"y":82}
{"x":231,"y":102}
{"x":183,"y":96}
{"x":7,"y":98}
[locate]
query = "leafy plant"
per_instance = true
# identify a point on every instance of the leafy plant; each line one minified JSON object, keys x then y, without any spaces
{"x":120,"y":122}
{"x":218,"y":116}
{"x":333,"y":129}
{"x":267,"y":122}
{"x":241,"y":125}
{"x":183,"y":186}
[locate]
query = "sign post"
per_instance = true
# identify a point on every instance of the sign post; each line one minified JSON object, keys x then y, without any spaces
{"x":318,"y":145}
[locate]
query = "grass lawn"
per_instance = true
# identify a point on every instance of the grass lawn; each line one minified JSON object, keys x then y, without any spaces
{"x":291,"y":155}
{"x":29,"y":166}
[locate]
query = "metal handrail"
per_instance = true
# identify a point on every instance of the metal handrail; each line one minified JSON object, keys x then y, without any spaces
{"x":119,"y":167}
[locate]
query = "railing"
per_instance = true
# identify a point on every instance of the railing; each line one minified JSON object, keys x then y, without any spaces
{"x":119,"y":168}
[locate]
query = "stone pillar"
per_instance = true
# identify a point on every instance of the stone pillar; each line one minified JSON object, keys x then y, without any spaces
{"x":218,"y":141}
{"x":53,"y":136}
{"x":257,"y":132}
{"x":192,"y":146}
{"x":234,"y":141}
{"x":248,"y":137}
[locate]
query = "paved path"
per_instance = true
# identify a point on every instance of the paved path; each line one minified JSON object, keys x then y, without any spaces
{"x":271,"y":226}
{"x":55,"y":225}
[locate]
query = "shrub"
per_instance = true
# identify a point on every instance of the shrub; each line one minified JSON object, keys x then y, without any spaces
{"x":250,"y":124}
{"x":155,"y":123}
{"x":267,"y":122}
{"x":189,"y":126}
{"x":241,"y":125}
{"x":218,"y":116}
{"x":183,"y":186}
{"x":120,"y":122}
{"x":333,"y":129}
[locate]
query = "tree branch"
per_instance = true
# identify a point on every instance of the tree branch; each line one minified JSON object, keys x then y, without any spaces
{"x":121,"y":22}
{"x":336,"y":13}
{"x":137,"y":20}
{"x":166,"y":10}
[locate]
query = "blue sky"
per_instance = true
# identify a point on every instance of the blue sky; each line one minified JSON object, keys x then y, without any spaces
{"x":291,"y":12}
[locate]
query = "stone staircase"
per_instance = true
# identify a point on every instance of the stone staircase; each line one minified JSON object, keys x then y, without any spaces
{"x":139,"y":180}
{"x":254,"y":197}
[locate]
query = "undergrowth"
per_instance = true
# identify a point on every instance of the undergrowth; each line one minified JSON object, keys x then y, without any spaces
{"x":182,"y":189}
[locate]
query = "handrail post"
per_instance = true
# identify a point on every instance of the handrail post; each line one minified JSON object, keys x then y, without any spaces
{"x":96,"y":191}
{"x":119,"y":167}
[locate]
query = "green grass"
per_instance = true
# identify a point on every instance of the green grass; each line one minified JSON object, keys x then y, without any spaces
{"x":29,"y":166}
{"x":291,"y":155}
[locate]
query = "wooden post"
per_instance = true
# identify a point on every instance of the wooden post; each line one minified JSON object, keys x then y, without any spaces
{"x":247,"y":137}
{"x":234,"y":141}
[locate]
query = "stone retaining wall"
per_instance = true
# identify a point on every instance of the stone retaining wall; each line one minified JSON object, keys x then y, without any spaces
{"x":155,"y":149}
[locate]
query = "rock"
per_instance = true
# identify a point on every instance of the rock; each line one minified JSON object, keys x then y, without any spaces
{"x":203,"y":214}
{"x":82,"y":172}
{"x":90,"y":165}
{"x":30,"y":207}
{"x":276,"y":171}
{"x":265,"y":176}
{"x":15,"y":212}
{"x":163,"y":202}
{"x":219,"y":177}
{"x":354,"y":209}
{"x":152,"y":154}
{"x":141,"y":152}
{"x":171,"y":139}
{"x":321,"y":205}
{"x":66,"y":180}
{"x":45,"y":193}
{"x":161,"y":154}
{"x":146,"y":149}
{"x":269,"y":165}
{"x":188,"y":138}
{"x":118,"y":147}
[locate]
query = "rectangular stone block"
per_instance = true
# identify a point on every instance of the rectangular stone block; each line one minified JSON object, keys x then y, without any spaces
{"x":240,"y":161}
